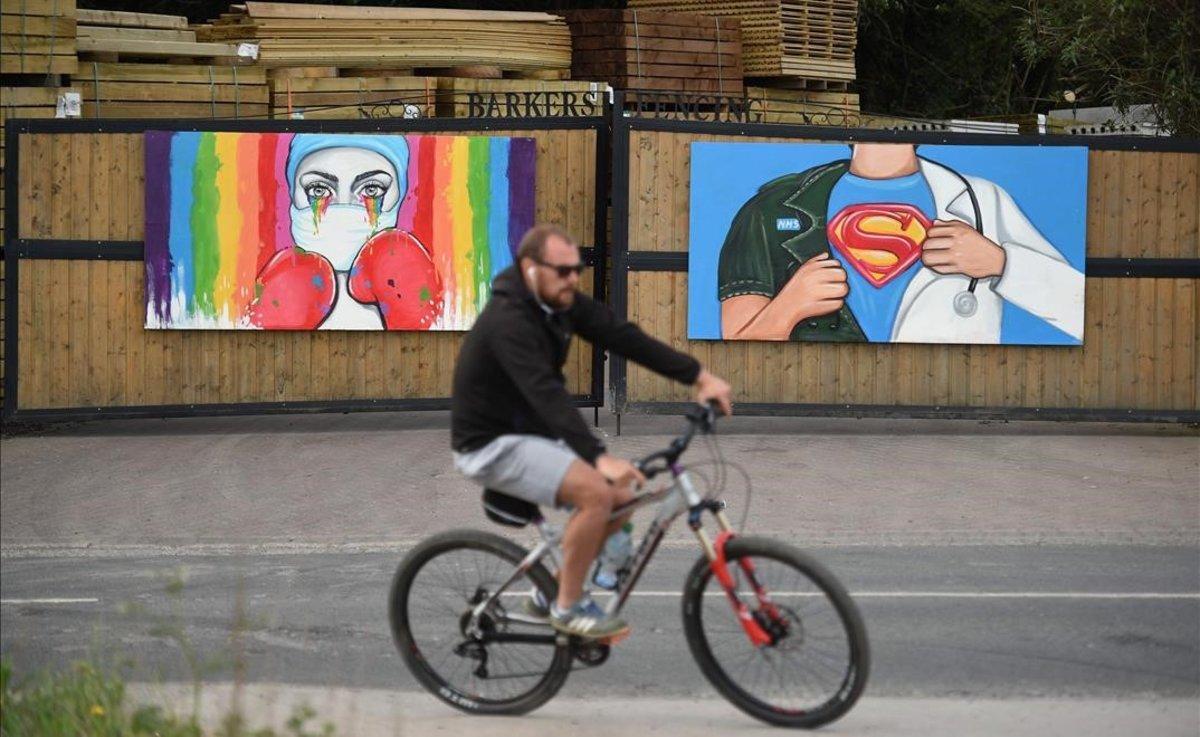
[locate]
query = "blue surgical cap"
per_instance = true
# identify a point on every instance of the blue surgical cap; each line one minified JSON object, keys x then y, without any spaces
{"x":392,"y":148}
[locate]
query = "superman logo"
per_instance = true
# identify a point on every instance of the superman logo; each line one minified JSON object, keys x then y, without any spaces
{"x":879,"y":240}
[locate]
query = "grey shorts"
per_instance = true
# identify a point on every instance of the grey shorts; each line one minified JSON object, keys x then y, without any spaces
{"x":528,"y":467}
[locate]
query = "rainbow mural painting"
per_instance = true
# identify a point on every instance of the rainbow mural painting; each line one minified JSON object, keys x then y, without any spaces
{"x":297,"y":231}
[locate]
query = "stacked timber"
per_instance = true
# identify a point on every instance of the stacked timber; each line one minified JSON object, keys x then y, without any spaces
{"x":293,"y":34}
{"x":147,"y":65}
{"x":318,"y":93}
{"x":171,"y":91}
{"x":796,"y":40}
{"x":111,"y":36}
{"x":37,"y":37}
{"x":648,"y":50}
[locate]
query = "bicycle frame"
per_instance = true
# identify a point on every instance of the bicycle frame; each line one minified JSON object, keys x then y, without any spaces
{"x":676,"y":497}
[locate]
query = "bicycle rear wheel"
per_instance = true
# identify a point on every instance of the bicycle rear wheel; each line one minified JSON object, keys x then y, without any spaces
{"x":433,"y":593}
{"x":816,"y":665}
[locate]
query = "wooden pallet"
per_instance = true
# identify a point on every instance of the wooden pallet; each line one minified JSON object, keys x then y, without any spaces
{"x":126,"y":49}
{"x":632,"y":49}
{"x":37,"y":37}
{"x":120,"y":19}
{"x":801,"y":83}
{"x":171,"y":91}
{"x":812,"y":39}
{"x":321,"y":35}
{"x":111,"y":36}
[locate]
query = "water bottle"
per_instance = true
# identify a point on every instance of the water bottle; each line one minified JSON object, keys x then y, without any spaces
{"x":616,"y":553}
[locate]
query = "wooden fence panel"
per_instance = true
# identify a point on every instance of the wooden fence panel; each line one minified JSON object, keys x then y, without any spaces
{"x":1141,"y":343}
{"x":1159,"y":373}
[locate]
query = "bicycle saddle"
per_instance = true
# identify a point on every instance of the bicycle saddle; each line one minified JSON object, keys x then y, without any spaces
{"x":508,"y":510}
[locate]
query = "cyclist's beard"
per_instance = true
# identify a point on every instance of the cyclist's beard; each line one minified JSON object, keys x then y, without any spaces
{"x":562,"y":299}
{"x":557,"y":300}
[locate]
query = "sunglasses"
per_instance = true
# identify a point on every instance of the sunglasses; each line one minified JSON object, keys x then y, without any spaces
{"x":564,"y":270}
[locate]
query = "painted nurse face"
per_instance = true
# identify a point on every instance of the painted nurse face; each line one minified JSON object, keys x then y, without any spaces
{"x":341,"y":197}
{"x":345,"y":176}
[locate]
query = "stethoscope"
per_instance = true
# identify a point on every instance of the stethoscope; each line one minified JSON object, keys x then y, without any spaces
{"x":966,"y":303}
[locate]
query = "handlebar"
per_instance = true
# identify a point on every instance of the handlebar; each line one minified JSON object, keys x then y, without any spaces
{"x":701,"y":419}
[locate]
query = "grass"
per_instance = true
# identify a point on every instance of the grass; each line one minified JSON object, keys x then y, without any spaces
{"x":89,"y":699}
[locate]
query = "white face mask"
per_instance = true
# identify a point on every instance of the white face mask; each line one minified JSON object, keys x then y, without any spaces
{"x":340,"y":232}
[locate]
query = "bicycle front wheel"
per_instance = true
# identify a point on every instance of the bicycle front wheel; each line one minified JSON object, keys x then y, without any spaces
{"x":815,"y":666}
{"x":508,"y":665}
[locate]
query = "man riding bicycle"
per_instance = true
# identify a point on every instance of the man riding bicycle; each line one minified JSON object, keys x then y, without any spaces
{"x":513,"y":425}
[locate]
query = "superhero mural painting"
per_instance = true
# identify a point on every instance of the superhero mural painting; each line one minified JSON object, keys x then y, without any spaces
{"x":887,"y":245}
{"x":315,"y":231}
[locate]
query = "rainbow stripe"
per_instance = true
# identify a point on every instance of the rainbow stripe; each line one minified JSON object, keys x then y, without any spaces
{"x":218,"y":207}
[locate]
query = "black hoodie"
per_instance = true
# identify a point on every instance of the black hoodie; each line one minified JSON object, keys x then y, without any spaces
{"x":509,"y":379}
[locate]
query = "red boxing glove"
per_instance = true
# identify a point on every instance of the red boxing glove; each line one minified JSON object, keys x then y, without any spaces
{"x":294,"y":291}
{"x":394,"y":271}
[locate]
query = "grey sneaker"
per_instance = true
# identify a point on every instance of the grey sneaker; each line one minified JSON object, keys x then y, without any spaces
{"x":535,"y":605}
{"x":587,"y":620}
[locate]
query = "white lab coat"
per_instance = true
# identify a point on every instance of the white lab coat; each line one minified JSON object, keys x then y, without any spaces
{"x":1036,"y":277}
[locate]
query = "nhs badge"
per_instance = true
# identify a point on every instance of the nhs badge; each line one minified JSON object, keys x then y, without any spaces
{"x":787,"y":224}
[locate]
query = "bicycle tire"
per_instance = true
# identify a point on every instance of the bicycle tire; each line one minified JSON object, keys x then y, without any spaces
{"x":398,"y":616}
{"x":850,"y":619}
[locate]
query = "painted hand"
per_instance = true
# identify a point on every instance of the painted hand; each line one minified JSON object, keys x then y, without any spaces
{"x":953,"y":247}
{"x":394,"y":271}
{"x":817,"y":288}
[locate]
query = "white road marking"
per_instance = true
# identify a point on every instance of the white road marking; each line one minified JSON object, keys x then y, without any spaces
{"x":941,"y":594}
{"x":49,"y":601}
{"x":965,"y":594}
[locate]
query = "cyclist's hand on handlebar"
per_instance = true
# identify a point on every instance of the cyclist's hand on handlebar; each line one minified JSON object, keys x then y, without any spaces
{"x":618,"y":470}
{"x":714,"y":389}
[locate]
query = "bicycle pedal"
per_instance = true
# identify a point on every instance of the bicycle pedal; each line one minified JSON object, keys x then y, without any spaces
{"x":614,"y":639}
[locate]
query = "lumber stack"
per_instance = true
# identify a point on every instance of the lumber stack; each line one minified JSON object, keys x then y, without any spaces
{"x":331,"y":97}
{"x":111,"y":36}
{"x":37,"y":37}
{"x":792,"y":39}
{"x":171,"y":91}
{"x":292,"y":34}
{"x":649,"y":50}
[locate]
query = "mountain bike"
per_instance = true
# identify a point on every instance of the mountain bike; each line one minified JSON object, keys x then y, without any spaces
{"x":771,"y":629}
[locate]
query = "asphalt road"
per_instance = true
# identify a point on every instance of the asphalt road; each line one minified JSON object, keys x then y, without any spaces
{"x":967,"y":623}
{"x":1016,"y":578}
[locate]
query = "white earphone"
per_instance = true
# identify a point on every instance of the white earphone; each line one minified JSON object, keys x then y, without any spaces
{"x":530,"y":273}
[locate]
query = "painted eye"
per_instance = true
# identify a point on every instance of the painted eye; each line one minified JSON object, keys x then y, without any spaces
{"x":372,"y":189}
{"x":318,"y":191}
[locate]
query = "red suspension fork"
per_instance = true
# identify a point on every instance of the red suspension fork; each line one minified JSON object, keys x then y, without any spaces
{"x":720,"y":568}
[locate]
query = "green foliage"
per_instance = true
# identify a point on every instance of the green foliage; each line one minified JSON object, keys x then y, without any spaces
{"x":1121,"y":53}
{"x":977,"y":58}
